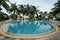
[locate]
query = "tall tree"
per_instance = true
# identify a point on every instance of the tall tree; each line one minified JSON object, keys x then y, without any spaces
{"x":4,"y":4}
{"x":14,"y":10}
{"x":27,"y":9}
{"x":22,"y":9}
{"x":56,"y":9}
{"x":45,"y":15}
{"x":33,"y":11}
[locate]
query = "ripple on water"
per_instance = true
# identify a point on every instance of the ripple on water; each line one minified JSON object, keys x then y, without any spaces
{"x":28,"y":27}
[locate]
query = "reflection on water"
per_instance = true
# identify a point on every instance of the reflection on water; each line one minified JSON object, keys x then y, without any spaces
{"x":28,"y":27}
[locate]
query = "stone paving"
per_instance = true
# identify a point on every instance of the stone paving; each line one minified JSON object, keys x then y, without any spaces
{"x":55,"y":36}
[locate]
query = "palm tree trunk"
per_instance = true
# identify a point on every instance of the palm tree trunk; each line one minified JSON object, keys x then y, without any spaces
{"x":37,"y":14}
{"x":0,"y":8}
{"x":19,"y":16}
{"x":14,"y":14}
{"x":23,"y":16}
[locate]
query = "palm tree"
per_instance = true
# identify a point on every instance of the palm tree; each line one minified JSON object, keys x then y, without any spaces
{"x":50,"y":17}
{"x":56,"y":9}
{"x":27,"y":9}
{"x":33,"y":11}
{"x":13,"y":9}
{"x":45,"y":15}
{"x":4,"y":4}
{"x":22,"y":10}
{"x":41,"y":15}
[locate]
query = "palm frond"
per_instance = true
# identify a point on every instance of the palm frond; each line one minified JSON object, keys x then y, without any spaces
{"x":5,"y":5}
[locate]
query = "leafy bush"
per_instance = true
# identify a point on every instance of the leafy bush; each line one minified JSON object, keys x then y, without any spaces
{"x":58,"y":18}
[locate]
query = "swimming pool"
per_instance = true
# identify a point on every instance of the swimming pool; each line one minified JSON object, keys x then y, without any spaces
{"x":28,"y":27}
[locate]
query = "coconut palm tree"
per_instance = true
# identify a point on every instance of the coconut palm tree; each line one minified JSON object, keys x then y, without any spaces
{"x":50,"y":17}
{"x":27,"y":9}
{"x":56,"y":9}
{"x":45,"y":15}
{"x":22,"y":10}
{"x":4,"y":4}
{"x":13,"y":10}
{"x":33,"y":11}
{"x":40,"y":17}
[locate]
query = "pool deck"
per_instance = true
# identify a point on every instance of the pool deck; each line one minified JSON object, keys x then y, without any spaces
{"x":55,"y":36}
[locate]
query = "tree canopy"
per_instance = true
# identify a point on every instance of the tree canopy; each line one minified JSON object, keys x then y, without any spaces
{"x":56,"y":9}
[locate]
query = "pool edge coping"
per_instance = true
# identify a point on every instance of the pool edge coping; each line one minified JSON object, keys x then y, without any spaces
{"x":32,"y":36}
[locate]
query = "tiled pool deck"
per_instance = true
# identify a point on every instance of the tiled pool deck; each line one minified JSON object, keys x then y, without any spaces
{"x":55,"y":36}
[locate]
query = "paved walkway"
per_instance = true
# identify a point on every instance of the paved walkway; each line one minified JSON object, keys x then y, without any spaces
{"x":55,"y":36}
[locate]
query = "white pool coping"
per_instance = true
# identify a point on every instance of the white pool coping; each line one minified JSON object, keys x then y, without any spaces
{"x":30,"y":35}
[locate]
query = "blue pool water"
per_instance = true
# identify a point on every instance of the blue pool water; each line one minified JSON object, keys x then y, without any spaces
{"x":28,"y":27}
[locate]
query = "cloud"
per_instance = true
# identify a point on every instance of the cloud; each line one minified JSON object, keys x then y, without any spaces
{"x":44,"y":5}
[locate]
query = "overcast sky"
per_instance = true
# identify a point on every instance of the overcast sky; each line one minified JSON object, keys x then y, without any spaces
{"x":43,"y":5}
